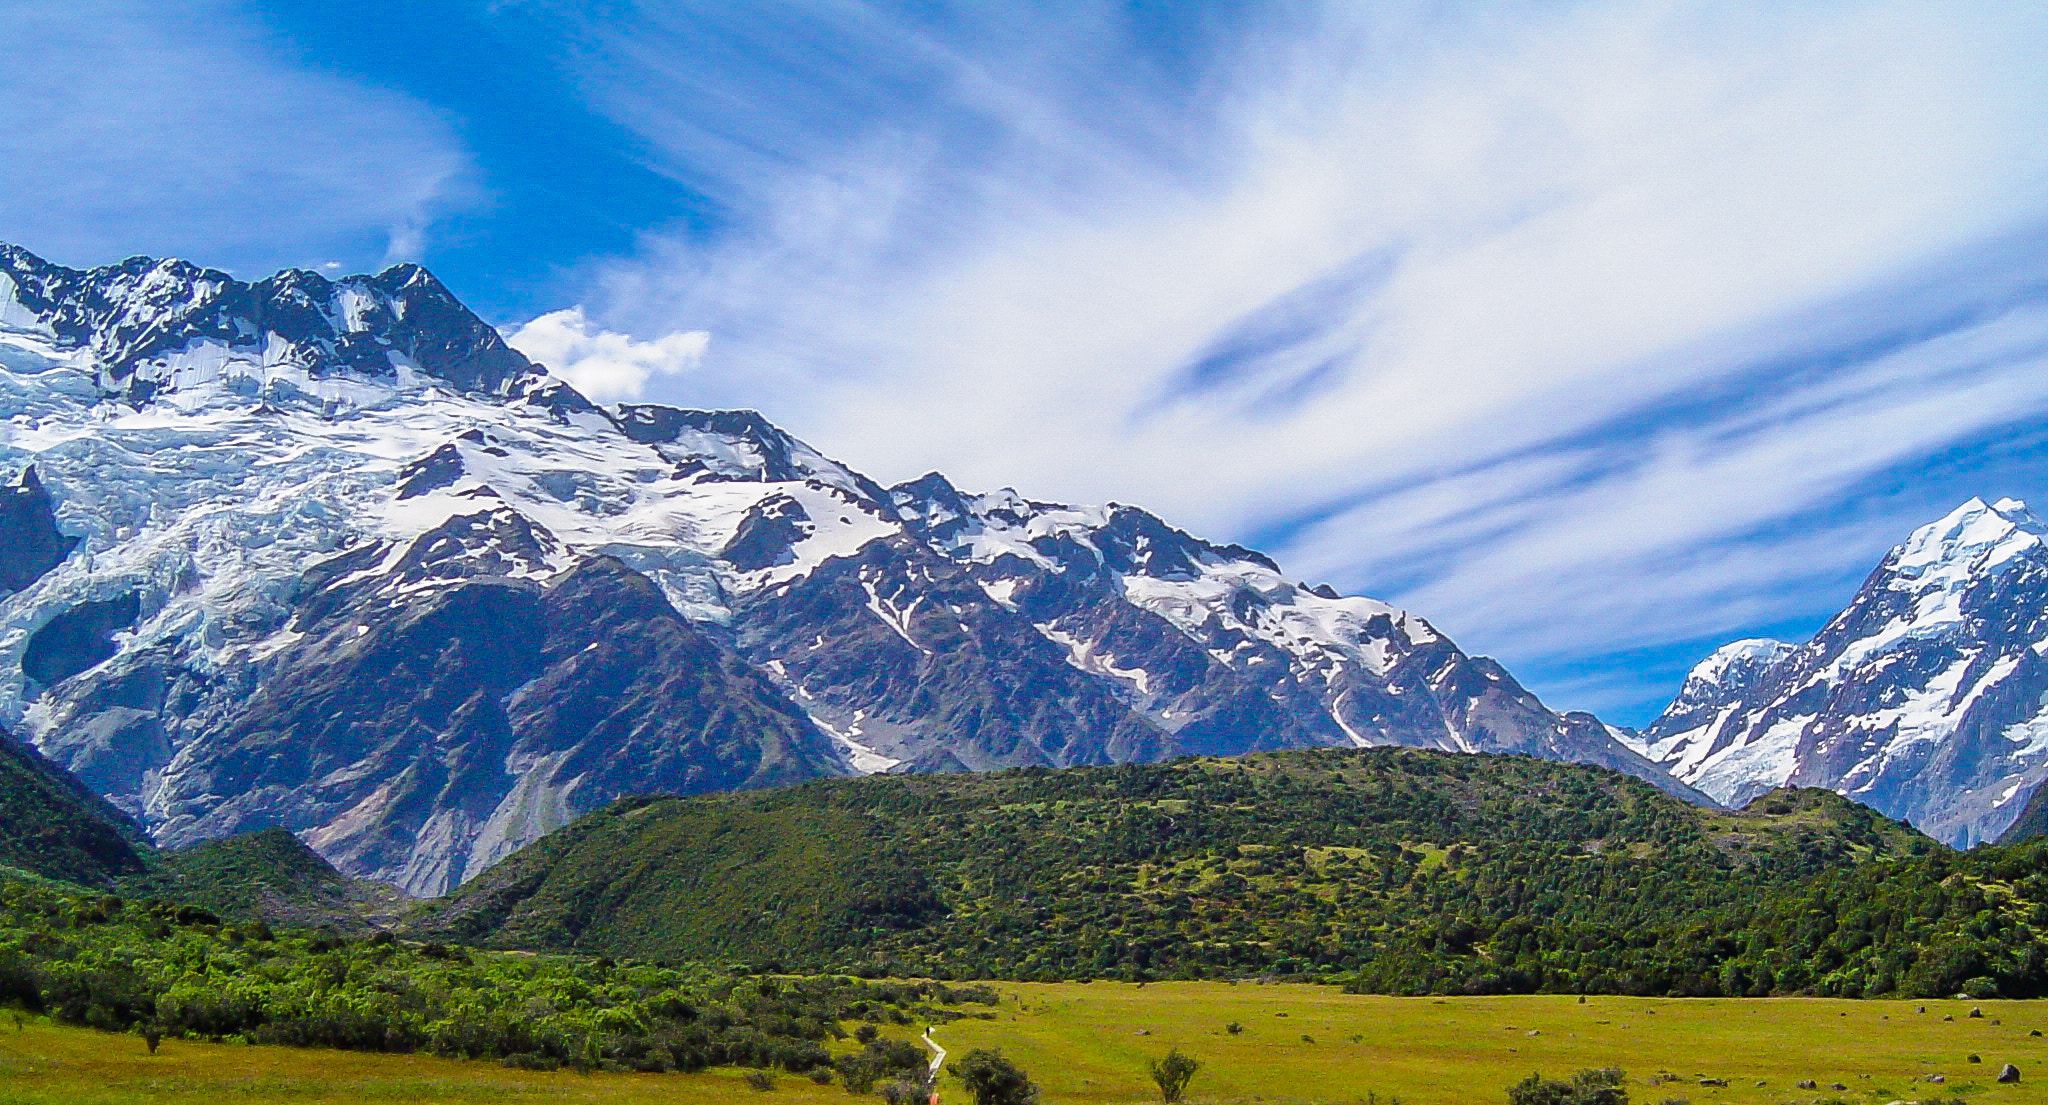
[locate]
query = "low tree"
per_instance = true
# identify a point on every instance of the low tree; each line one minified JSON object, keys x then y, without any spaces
{"x":906,"y":1091}
{"x":1172,"y":1073}
{"x":1601,"y":1086}
{"x":992,"y":1079}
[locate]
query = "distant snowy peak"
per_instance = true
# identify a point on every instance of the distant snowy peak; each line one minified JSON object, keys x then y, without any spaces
{"x":1973,"y":541}
{"x":1116,"y":538}
{"x":1732,"y":669}
{"x":148,"y":326}
{"x":1962,"y":580}
{"x":1926,"y":696}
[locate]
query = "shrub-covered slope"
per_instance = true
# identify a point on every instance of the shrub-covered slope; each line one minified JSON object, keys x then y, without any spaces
{"x":52,"y":827}
{"x":179,"y":971}
{"x":268,"y":875}
{"x":1933,"y":925}
{"x":1395,"y":869}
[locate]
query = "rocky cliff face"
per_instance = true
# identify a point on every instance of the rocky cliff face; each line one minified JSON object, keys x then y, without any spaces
{"x":1926,"y":698}
{"x":152,"y":326}
{"x":328,"y":555}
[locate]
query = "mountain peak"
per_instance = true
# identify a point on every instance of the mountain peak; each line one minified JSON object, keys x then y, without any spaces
{"x":149,"y":326}
{"x":481,"y":606}
{"x":1921,"y":698}
{"x":1737,"y":661}
{"x":1969,"y":540}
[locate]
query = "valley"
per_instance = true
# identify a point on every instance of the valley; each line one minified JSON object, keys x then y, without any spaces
{"x":1088,"y":1044}
{"x":1307,"y":1044}
{"x":366,"y":686}
{"x":1075,"y":552}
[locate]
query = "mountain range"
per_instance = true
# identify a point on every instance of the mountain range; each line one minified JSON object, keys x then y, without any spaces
{"x":328,"y":555}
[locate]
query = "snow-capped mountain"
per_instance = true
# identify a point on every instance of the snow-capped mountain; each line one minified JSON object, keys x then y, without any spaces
{"x":330,"y":555}
{"x":1926,"y":698}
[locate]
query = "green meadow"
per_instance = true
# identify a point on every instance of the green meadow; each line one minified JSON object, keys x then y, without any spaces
{"x":45,"y":1064}
{"x":1090,"y":1043}
{"x":1087,"y":1043}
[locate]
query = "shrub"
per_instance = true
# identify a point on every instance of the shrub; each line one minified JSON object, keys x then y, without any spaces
{"x":906,"y":1091}
{"x":992,"y":1079}
{"x":1172,"y":1073}
{"x":1604,"y":1086}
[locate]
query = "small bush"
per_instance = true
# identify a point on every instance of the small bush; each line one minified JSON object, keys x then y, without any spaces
{"x":992,"y":1079}
{"x":1604,"y":1086}
{"x":759,"y":1080}
{"x":905,"y":1091}
{"x":1172,"y":1073}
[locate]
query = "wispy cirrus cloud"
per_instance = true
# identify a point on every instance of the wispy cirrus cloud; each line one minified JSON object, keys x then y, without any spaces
{"x":187,"y":129}
{"x":1554,"y":323}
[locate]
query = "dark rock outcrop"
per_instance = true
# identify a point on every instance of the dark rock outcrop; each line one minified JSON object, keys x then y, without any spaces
{"x":78,"y":638}
{"x":30,"y":542}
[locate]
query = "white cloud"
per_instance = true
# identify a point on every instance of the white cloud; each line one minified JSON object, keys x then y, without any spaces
{"x":998,"y":253}
{"x":1613,"y":540}
{"x":600,"y":363}
{"x":135,"y":127}
{"x":1565,"y":198}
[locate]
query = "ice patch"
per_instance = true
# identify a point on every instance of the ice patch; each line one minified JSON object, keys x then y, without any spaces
{"x":1764,"y":762}
{"x":896,"y":618}
{"x":1082,"y":654}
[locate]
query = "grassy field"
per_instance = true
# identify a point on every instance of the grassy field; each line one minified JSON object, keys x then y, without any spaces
{"x":48,"y":1065}
{"x":1089,"y":1044}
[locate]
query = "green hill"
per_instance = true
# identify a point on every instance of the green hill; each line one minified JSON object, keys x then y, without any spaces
{"x":1387,"y":870}
{"x":52,"y":827}
{"x":1394,"y":870}
{"x":267,"y":875}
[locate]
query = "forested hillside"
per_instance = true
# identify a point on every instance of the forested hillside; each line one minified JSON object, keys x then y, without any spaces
{"x":267,"y":875}
{"x":54,"y":828}
{"x":1390,"y":870}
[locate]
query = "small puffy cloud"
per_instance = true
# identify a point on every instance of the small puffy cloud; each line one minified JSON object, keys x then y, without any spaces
{"x":604,"y":364}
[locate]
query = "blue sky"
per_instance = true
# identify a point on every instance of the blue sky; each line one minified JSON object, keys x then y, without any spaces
{"x":1599,"y":334}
